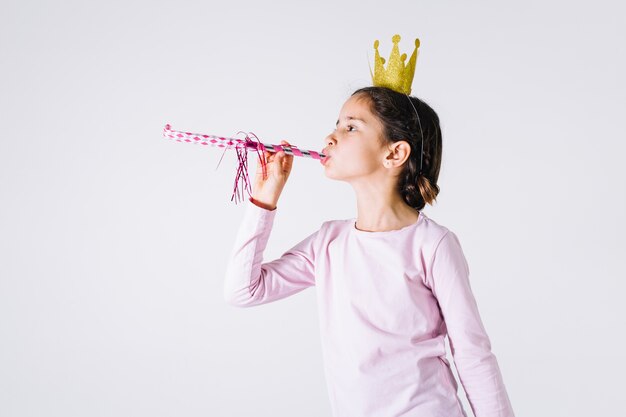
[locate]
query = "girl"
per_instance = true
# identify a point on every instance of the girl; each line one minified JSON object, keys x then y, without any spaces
{"x":390,"y":283}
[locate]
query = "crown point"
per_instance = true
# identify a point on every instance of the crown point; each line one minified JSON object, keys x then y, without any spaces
{"x":376,"y":44}
{"x":398,"y":75}
{"x":417,"y":43}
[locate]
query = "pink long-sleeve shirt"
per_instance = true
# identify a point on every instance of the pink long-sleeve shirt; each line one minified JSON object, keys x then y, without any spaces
{"x":386,"y":301}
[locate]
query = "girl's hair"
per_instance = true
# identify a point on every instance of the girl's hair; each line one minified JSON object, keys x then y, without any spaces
{"x":400,"y":122}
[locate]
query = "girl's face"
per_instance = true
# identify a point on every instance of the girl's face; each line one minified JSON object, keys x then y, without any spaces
{"x":355,"y":149}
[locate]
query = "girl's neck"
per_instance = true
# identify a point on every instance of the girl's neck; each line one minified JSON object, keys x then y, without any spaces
{"x":381,"y":215}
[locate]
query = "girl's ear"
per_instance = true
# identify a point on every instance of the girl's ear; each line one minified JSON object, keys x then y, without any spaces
{"x":398,"y":153}
{"x":401,"y":151}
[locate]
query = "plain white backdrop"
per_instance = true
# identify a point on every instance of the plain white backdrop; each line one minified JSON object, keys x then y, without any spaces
{"x":113,"y":240}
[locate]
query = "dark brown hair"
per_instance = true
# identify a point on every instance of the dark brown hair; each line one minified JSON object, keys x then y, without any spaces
{"x":400,"y":122}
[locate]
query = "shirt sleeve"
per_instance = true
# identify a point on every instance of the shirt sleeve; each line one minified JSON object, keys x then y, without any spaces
{"x":477,"y":366}
{"x":249,"y":281}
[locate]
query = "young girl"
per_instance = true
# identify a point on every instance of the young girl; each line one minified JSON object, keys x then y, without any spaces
{"x":391,"y":283}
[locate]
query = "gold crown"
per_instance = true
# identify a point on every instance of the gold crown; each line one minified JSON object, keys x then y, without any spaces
{"x":397,"y":76}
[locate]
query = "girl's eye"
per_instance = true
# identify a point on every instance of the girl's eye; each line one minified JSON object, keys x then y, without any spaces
{"x":348,"y":127}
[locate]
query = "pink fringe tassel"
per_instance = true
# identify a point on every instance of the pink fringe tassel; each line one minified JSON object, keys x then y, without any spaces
{"x":242,"y":169}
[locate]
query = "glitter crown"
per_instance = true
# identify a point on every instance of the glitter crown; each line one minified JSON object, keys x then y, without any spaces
{"x":398,"y":76}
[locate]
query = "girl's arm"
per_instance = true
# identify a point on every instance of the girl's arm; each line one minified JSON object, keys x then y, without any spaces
{"x":476,"y":365}
{"x":249,"y":281}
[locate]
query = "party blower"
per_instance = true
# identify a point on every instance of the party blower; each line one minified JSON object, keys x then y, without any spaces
{"x":242,"y":146}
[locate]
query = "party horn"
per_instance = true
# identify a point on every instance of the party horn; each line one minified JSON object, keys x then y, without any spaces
{"x":247,"y":143}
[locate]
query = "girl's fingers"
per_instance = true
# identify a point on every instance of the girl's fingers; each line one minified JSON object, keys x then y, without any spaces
{"x":279,"y":162}
{"x":284,"y":142}
{"x":288,"y":159}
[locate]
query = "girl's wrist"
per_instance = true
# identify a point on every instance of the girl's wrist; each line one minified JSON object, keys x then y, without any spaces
{"x":263,"y":204}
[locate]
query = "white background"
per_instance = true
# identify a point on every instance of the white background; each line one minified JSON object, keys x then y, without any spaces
{"x":113,"y":240}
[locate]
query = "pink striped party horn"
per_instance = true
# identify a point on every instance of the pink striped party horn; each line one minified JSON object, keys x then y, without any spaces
{"x":242,"y":147}
{"x":223,"y":142}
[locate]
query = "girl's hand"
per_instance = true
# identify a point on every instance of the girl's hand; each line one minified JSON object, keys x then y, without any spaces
{"x":266,"y":191}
